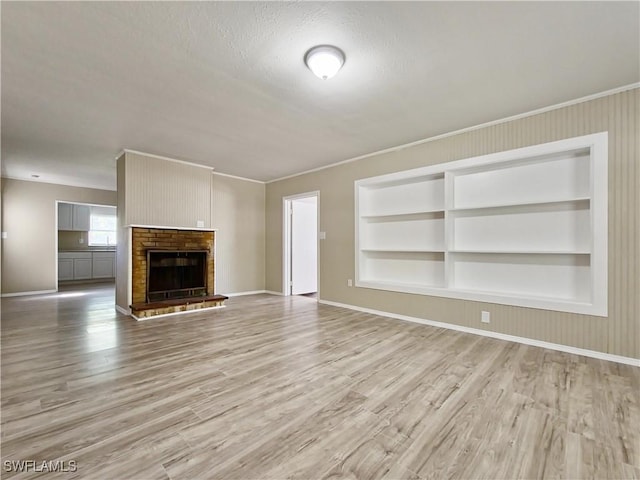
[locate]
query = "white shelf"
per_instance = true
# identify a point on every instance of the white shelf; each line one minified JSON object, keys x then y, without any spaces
{"x":526,"y":227}
{"x":403,"y":267}
{"x":509,"y":206}
{"x":403,"y":196}
{"x":392,"y":216}
{"x":403,"y":233}
{"x":520,"y":296}
{"x":535,"y":179}
{"x":400,"y":250}
{"x":550,"y":226}
{"x":524,"y":252}
{"x":419,"y":288}
{"x":542,"y":275}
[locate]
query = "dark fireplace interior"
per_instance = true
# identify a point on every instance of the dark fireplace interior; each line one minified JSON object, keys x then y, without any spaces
{"x":176,"y":274}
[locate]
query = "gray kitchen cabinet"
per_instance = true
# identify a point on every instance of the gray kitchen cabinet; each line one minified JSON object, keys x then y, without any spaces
{"x":82,"y":217}
{"x":75,"y":265}
{"x":65,"y":268}
{"x":82,"y":269}
{"x":103,"y":265}
{"x":65,"y":216}
{"x":74,"y":217}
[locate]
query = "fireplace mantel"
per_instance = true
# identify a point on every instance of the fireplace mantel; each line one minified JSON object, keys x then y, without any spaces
{"x":164,"y":227}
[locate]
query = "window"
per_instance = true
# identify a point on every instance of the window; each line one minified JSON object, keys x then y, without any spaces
{"x":102,"y":227}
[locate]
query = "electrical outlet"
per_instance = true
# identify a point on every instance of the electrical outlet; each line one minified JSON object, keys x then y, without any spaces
{"x":81,"y":240}
{"x":349,"y":283}
{"x":200,"y":224}
{"x":485,"y":317}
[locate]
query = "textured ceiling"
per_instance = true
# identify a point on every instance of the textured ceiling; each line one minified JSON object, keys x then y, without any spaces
{"x":223,"y":84}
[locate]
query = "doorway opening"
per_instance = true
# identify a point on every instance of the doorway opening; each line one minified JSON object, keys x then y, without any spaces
{"x":300,"y":246}
{"x":85,"y":248}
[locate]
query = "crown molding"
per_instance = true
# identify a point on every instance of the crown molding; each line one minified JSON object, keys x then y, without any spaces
{"x":468,"y":129}
{"x":64,"y":184}
{"x":160,"y":157}
{"x":239,"y":178}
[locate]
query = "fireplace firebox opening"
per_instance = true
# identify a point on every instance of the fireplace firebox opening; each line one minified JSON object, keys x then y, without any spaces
{"x":173,"y":274}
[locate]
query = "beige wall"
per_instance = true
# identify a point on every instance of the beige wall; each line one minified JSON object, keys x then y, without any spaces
{"x":239,"y":219}
{"x":618,"y":334}
{"x":29,"y":218}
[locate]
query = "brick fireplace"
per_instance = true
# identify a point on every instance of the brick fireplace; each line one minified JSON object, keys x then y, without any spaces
{"x":182,"y":266}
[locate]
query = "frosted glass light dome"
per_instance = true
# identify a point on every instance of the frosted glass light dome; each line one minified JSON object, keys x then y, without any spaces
{"x":324,"y":61}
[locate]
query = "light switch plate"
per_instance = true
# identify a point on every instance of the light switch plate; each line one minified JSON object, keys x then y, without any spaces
{"x":4,"y":235}
{"x":323,"y":235}
{"x":200,"y":224}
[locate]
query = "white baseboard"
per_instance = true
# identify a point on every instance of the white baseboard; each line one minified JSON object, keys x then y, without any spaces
{"x":22,"y":294}
{"x":124,"y":311}
{"x":197,"y":310}
{"x":501,"y":336}
{"x":271,"y":292}
{"x":240,"y":294}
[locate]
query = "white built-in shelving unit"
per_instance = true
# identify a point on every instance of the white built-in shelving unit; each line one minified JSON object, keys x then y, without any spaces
{"x":525,"y":227}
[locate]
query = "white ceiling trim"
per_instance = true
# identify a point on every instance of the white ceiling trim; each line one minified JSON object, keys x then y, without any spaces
{"x":66,"y":184}
{"x":239,"y":178}
{"x":160,"y":157}
{"x":470,"y":129}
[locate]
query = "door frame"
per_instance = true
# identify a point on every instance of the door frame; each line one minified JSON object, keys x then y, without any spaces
{"x":55,"y":226}
{"x":286,"y":240}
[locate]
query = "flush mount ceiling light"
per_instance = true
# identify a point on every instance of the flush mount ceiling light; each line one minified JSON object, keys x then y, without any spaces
{"x":324,"y":60}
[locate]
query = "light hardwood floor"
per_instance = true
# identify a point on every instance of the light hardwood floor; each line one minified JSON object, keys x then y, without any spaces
{"x":274,"y":387}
